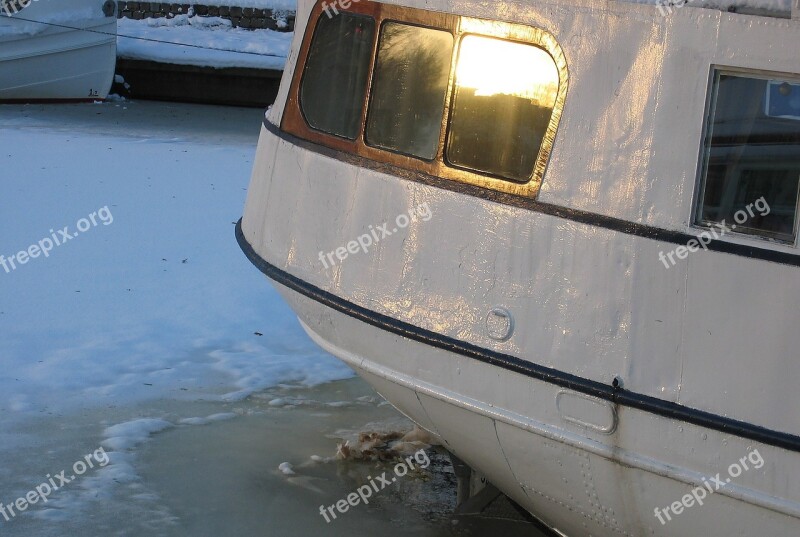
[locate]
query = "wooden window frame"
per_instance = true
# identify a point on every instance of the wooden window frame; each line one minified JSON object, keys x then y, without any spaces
{"x":294,"y":122}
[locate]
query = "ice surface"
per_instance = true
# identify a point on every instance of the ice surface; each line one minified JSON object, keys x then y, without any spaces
{"x":220,"y":416}
{"x":286,"y":468}
{"x":128,"y":435}
{"x":159,"y":303}
{"x":138,"y":338}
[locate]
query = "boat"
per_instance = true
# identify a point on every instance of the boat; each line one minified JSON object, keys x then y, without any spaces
{"x":561,"y":237}
{"x":57,"y":50}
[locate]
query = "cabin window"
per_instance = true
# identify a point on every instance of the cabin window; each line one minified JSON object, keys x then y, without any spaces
{"x":503,"y":100}
{"x":751,"y":171}
{"x":334,"y":81}
{"x":430,"y":95}
{"x":408,"y":89}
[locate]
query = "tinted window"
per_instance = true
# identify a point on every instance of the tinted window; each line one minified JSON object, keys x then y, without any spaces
{"x":334,"y":83}
{"x":753,"y":157}
{"x":502,"y":105}
{"x":408,"y":89}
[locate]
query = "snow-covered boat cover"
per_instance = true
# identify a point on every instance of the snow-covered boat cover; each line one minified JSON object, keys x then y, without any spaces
{"x":747,"y":6}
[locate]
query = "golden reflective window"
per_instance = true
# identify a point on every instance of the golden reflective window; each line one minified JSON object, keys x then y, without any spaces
{"x":408,"y":89}
{"x":503,"y":101}
{"x":454,"y":98}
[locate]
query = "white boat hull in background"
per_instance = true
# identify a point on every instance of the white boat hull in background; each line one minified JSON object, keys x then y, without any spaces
{"x":68,"y":55}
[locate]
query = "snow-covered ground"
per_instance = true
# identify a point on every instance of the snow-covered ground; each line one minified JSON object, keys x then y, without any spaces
{"x":201,"y":41}
{"x":275,"y":5}
{"x":157,"y":299}
{"x":153,"y":301}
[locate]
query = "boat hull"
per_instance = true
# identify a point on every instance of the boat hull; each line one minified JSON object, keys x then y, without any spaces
{"x":583,"y":464}
{"x":560,"y":454}
{"x":541,"y":338}
{"x":57,"y":63}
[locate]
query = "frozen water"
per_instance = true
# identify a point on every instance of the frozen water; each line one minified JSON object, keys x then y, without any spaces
{"x":147,"y":364}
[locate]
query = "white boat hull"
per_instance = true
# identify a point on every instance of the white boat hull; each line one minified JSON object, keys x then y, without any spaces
{"x":624,"y":386}
{"x":72,"y":60}
{"x":582,"y":464}
{"x":579,"y":481}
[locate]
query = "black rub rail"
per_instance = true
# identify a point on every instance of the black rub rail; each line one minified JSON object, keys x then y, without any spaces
{"x":613,"y":393}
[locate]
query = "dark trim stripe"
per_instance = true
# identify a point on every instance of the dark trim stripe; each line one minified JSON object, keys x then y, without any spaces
{"x":512,"y":363}
{"x":565,"y":213}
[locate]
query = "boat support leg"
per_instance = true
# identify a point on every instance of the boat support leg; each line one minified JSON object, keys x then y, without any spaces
{"x":474,"y":493}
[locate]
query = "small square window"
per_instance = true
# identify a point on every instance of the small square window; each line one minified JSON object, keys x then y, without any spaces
{"x":335,"y":78}
{"x":502,"y":105}
{"x":408,"y":89}
{"x":751,"y":171}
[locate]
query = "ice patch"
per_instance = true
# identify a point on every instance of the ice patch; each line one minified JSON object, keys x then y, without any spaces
{"x":208,"y":419}
{"x":150,"y":326}
{"x":193,"y":421}
{"x":128,"y":435}
{"x":286,"y":468}
{"x":140,"y":325}
{"x":255,"y":368}
{"x":99,"y":487}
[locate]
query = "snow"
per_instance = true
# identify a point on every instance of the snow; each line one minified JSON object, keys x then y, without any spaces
{"x":157,"y":309}
{"x":275,"y":5}
{"x":220,"y":416}
{"x":98,"y":485}
{"x":161,"y":303}
{"x":128,"y":435}
{"x":202,"y":41}
{"x":43,"y":15}
{"x":775,"y":6}
{"x":286,"y":469}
